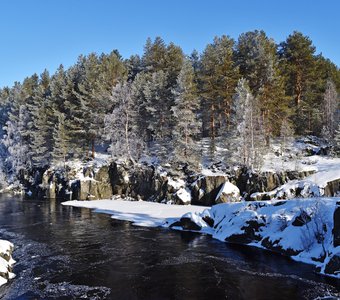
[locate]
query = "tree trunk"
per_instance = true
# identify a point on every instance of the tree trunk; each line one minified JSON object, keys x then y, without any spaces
{"x":92,"y":148}
{"x":298,"y":89}
{"x":212,"y":128}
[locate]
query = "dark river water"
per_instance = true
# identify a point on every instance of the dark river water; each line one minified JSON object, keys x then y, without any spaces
{"x":73,"y":253}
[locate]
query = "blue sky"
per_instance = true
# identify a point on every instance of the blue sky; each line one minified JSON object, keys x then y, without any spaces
{"x":40,"y":34}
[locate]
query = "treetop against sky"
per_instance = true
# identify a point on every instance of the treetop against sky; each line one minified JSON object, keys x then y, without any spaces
{"x":42,"y":34}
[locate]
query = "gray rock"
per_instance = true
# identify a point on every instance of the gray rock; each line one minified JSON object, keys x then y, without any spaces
{"x":206,"y":188}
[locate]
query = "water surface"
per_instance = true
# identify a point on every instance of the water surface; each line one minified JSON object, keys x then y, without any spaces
{"x":73,"y":253}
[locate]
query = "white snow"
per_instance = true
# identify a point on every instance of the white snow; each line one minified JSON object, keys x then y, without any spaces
{"x":276,"y":218}
{"x":176,"y":183}
{"x":5,"y":249}
{"x":141,"y":213}
{"x":209,"y":172}
{"x":230,"y":191}
{"x":184,"y":195}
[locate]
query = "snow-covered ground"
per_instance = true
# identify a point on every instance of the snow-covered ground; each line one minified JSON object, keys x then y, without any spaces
{"x":291,"y":226}
{"x":302,"y":227}
{"x":6,"y":261}
{"x":141,"y":213}
{"x":326,"y":169}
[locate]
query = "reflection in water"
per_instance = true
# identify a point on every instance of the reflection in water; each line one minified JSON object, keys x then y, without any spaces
{"x":72,"y":253}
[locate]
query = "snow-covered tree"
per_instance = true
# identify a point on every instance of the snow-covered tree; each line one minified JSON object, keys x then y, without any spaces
{"x":186,"y":123}
{"x":330,"y":105}
{"x":247,"y":141}
{"x":17,"y":159}
{"x":121,"y":126}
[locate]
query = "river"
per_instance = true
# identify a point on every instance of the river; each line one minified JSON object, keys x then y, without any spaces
{"x":73,"y":253}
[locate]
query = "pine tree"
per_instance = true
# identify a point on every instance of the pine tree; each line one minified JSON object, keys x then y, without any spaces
{"x":258,"y":63}
{"x":74,"y":113}
{"x":218,"y":79}
{"x":298,"y":64}
{"x":187,"y":125}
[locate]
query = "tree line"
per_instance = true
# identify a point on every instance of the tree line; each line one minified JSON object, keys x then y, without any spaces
{"x":164,"y":103}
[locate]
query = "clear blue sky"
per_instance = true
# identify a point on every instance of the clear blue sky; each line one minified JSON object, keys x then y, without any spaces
{"x":40,"y":34}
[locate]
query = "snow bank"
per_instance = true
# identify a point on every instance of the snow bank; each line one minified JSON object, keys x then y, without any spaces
{"x":299,"y":228}
{"x":140,"y":213}
{"x":6,"y":261}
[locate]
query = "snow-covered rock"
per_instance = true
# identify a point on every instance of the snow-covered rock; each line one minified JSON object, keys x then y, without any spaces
{"x":228,"y":193}
{"x":6,"y":261}
{"x":184,"y":195}
{"x":304,"y":229}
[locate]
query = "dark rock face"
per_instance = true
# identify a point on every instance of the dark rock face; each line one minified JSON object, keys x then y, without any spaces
{"x":336,"y":226}
{"x":275,"y":247}
{"x":206,"y":188}
{"x":332,"y":188}
{"x":209,"y":221}
{"x":147,"y":183}
{"x":302,"y":219}
{"x":333,"y":266}
{"x":251,"y":230}
{"x":186,"y":224}
{"x":250,"y":183}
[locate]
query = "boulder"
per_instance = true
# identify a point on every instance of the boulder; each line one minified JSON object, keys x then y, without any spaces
{"x":186,"y":224}
{"x":250,"y":234}
{"x":333,"y":265}
{"x":228,"y":193}
{"x":332,"y":188}
{"x":206,"y":189}
{"x":276,"y":247}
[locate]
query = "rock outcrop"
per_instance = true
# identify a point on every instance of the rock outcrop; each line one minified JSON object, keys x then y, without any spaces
{"x":206,"y":188}
{"x":151,"y":183}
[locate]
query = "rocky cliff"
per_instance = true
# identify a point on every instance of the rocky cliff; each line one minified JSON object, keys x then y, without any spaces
{"x":151,"y":183}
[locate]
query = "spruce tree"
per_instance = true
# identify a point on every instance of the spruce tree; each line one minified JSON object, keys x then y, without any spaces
{"x":42,"y":117}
